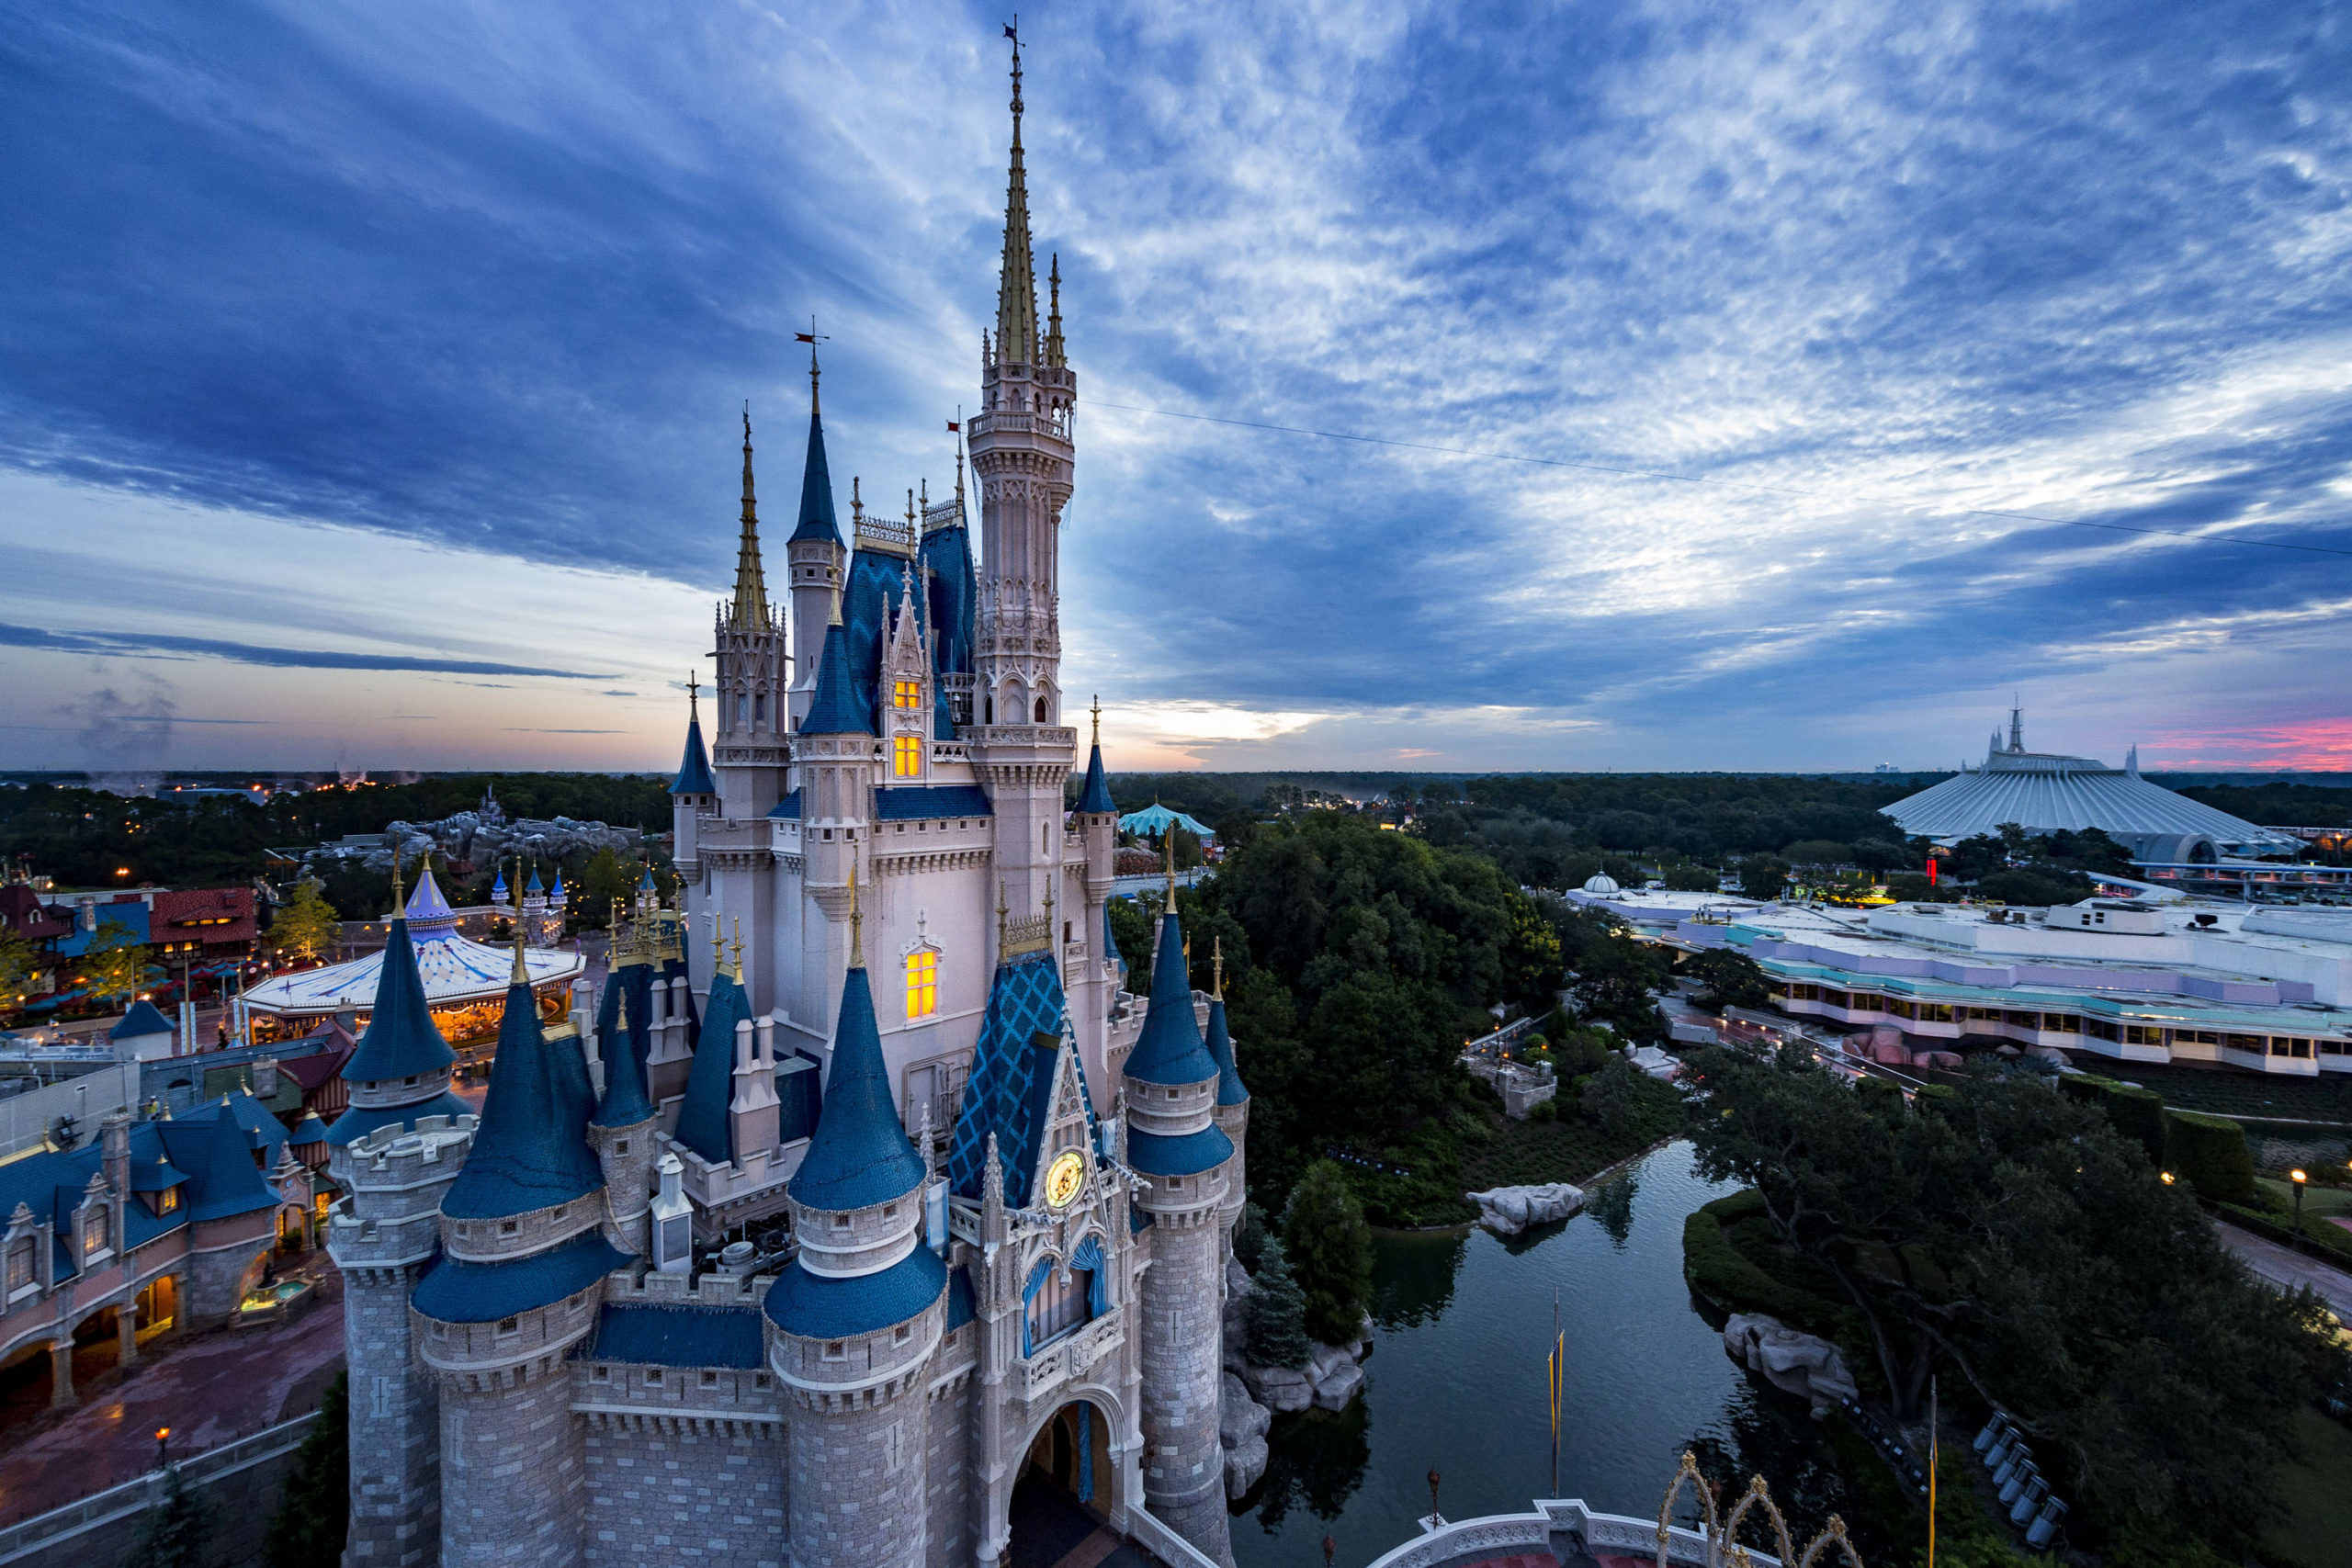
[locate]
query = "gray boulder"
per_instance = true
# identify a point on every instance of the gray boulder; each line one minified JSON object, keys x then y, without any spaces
{"x":1240,"y":1417}
{"x":1244,"y":1463}
{"x":1795,"y":1362}
{"x":1335,"y":1377}
{"x":1279,"y":1388}
{"x":1510,"y":1210}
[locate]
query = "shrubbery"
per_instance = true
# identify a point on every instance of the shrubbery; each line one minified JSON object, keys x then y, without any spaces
{"x":2137,"y":1113}
{"x":2211,"y":1153}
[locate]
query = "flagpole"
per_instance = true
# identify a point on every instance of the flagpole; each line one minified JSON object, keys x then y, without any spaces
{"x":1934,"y":1434}
{"x":1560,"y":1354}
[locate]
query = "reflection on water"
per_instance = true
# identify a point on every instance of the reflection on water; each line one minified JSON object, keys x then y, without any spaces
{"x":1455,"y":1382}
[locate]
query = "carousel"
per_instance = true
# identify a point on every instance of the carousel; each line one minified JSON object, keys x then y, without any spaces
{"x":465,"y":981}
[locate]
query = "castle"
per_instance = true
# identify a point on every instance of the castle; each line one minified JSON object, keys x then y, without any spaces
{"x":1008,"y":1183}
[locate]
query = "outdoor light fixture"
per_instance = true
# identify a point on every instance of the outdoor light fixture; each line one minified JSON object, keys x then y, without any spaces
{"x":2297,"y":1178}
{"x":2167,"y":1178}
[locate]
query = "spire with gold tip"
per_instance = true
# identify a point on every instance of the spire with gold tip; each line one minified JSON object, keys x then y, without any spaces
{"x":750,"y":608}
{"x":1016,"y":299}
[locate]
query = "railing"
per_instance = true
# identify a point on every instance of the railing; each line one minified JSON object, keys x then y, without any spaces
{"x":139,"y":1495}
{"x":1613,"y":1535}
{"x":1064,"y":1359}
{"x":1162,"y":1543}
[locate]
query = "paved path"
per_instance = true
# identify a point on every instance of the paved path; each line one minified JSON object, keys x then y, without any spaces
{"x":2286,"y":1268}
{"x":209,"y":1390}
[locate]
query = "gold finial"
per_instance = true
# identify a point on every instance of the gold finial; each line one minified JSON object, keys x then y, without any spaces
{"x":620,"y":1011}
{"x":1217,"y":966}
{"x":521,"y":975}
{"x":926,"y":492}
{"x":910,"y":506}
{"x":856,"y":925}
{"x":856,"y":502}
{"x":1097,"y":711}
{"x":1168,"y":846}
{"x":1002,"y":912}
{"x":739,"y":950}
{"x":717,"y":945}
{"x":400,"y":901}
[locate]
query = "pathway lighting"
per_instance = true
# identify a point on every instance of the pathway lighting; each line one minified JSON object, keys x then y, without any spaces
{"x":163,"y":1446}
{"x":2297,"y":1178}
{"x":2167,"y":1178}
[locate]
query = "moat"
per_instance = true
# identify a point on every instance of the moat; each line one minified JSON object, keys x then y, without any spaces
{"x":1456,"y":1382}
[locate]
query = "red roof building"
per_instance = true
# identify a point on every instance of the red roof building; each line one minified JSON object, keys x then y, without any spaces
{"x":204,"y":923}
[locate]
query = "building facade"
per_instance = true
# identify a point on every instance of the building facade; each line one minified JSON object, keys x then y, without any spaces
{"x":865,"y":1193}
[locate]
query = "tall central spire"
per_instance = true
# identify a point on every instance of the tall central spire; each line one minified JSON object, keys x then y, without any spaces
{"x":751,"y":612}
{"x":1016,"y":298}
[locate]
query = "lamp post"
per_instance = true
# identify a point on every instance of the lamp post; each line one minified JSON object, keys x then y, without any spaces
{"x":2297,"y":1178}
{"x":162,"y":1446}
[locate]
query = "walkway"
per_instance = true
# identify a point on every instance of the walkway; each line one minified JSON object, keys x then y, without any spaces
{"x":1051,"y":1530}
{"x":209,"y":1390}
{"x":2286,"y":1268}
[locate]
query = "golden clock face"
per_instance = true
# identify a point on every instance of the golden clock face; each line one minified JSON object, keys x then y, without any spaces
{"x":1065,"y":1179}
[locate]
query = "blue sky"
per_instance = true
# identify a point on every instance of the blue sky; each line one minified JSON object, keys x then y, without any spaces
{"x":368,"y":375}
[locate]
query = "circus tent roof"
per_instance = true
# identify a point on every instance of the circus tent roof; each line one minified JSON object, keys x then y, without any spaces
{"x":1154,"y":819}
{"x":454,"y":968}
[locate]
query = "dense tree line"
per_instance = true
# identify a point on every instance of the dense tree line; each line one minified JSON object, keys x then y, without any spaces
{"x":90,"y":837}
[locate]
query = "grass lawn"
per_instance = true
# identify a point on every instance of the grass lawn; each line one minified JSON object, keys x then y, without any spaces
{"x":2318,"y":1530}
{"x":2317,"y":1200}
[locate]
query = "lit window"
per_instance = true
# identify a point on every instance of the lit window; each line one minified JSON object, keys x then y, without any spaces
{"x":909,"y":756}
{"x":905,"y":694}
{"x":922,"y":983}
{"x":167,"y":1200}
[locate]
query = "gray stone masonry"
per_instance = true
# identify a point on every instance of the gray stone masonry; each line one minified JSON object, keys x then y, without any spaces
{"x":626,"y":1155}
{"x":857,"y":1483}
{"x":670,"y":1489}
{"x":513,"y":1471}
{"x":224,"y":1255}
{"x":953,"y":1537}
{"x":1182,"y":1309}
{"x":396,"y":1421}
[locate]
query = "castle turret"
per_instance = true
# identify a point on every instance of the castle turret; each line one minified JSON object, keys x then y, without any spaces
{"x":857,"y":1315}
{"x":835,"y":755}
{"x":694,"y":793}
{"x":516,"y":1288}
{"x":1175,"y":1144}
{"x":1232,"y":1112}
{"x":622,"y":1130}
{"x":1024,"y":460}
{"x":815,"y":556}
{"x":754,"y":720}
{"x":393,"y":1152}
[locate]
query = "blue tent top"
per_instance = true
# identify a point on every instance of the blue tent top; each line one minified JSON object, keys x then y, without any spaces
{"x":1156,"y":819}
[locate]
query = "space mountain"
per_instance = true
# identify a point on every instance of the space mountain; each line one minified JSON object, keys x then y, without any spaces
{"x":888,"y":1035}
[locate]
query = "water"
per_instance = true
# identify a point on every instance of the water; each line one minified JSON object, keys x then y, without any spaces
{"x":1456,"y":1382}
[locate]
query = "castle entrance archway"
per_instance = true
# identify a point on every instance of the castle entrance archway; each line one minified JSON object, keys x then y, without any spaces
{"x":1061,"y":1499}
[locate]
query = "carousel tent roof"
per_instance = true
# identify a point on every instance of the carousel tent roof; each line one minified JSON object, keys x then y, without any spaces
{"x":1154,"y":819}
{"x":454,"y":968}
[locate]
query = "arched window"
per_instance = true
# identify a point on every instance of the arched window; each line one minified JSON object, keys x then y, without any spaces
{"x":988,"y":709}
{"x":1041,"y":711}
{"x":1059,"y":1299}
{"x":922,"y":982}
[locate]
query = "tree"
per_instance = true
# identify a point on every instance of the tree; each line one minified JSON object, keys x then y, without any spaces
{"x":606,"y":879}
{"x":1617,"y":981}
{"x":1324,"y":1233}
{"x":1275,"y":1315}
{"x":116,"y":965}
{"x":1131,"y":928}
{"x":18,"y":963}
{"x":1732,"y":979}
{"x":2011,"y":1237}
{"x":306,"y":925}
{"x":311,"y":1525}
{"x":1763,"y":877}
{"x":178,"y":1528}
{"x":1689,"y":876}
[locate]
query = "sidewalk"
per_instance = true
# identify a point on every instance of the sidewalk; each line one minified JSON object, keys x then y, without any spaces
{"x":2286,"y":1268}
{"x":209,"y":1390}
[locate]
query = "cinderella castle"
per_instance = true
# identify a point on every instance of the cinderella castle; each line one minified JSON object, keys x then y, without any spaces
{"x":863,"y":1190}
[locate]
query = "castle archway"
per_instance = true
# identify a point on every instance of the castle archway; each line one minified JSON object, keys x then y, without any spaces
{"x":1067,"y":1488}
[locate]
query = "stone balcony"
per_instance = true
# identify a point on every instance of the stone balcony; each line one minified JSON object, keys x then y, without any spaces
{"x":1070,"y":1357}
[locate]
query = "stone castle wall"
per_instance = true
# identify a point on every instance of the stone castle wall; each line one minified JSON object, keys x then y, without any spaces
{"x":955,"y":1534}
{"x":672,"y":1489}
{"x":1181,"y":1327}
{"x":513,"y":1476}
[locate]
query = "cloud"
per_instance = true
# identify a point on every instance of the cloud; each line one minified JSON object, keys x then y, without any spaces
{"x":159,"y":644}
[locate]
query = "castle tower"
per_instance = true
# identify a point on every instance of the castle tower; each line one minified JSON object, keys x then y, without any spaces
{"x":380,"y":1235}
{"x":834,"y":750}
{"x":858,"y":1316}
{"x":1232,"y":1113}
{"x":1022,"y":455}
{"x":1174,"y":1142}
{"x":753,"y":716}
{"x":516,"y":1288}
{"x":622,"y":1130}
{"x":694,"y":793}
{"x":814,"y":556}
{"x":534,"y":911}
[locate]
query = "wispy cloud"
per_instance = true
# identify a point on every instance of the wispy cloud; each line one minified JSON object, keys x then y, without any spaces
{"x":161,"y":645}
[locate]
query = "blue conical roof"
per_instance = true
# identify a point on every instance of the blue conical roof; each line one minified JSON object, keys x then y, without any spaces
{"x":836,"y":710}
{"x":693,"y":772}
{"x":645,"y":884}
{"x":144,"y":1017}
{"x":401,"y":1040}
{"x":498,"y":888}
{"x":1111,"y":939}
{"x":626,"y":1103}
{"x":859,"y":1156}
{"x":531,"y":1150}
{"x":1220,"y":1044}
{"x":1170,"y":1050}
{"x":535,"y":884}
{"x":1096,"y":797}
{"x":816,"y":488}
{"x":703,"y":1125}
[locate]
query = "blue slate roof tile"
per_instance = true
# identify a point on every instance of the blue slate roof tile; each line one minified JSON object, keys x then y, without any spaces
{"x":788,"y":808}
{"x":1229,"y":1072}
{"x":1169,"y":1049}
{"x":859,"y":1156}
{"x":626,"y":1101}
{"x":910,"y":803}
{"x":960,"y":1310}
{"x":816,"y":1307}
{"x":456,"y":1292}
{"x":401,"y":1039}
{"x":144,"y":1017}
{"x":678,"y":1336}
{"x":1011,"y":1084}
{"x":1183,"y":1153}
{"x":836,"y":710}
{"x":531,"y":1150}
{"x":694,"y":770}
{"x":703,"y":1125}
{"x":815,"y":521}
{"x":1096,"y":797}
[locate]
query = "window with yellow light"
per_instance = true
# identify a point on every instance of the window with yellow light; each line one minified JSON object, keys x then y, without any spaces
{"x":906,"y":693}
{"x":922,"y":983}
{"x":909,"y":756}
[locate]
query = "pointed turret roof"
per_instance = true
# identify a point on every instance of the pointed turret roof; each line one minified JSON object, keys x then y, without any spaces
{"x":694,"y":770}
{"x":428,"y":910}
{"x":1096,"y":797}
{"x":817,"y":519}
{"x":498,"y":887}
{"x":836,"y":710}
{"x":859,"y":1156}
{"x":703,"y":1125}
{"x":621,"y":1016}
{"x":749,"y":610}
{"x":531,"y":1150}
{"x":1220,"y":1045}
{"x":535,"y":884}
{"x":1016,"y":299}
{"x":401,"y":1040}
{"x":144,"y":1019}
{"x":1169,"y":1049}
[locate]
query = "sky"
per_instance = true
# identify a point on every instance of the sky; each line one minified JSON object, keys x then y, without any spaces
{"x":1659,"y":384}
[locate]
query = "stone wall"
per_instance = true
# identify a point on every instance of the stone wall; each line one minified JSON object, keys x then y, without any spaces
{"x":680,"y":1490}
{"x":955,"y":1534}
{"x":1181,"y":1314}
{"x":858,"y":1476}
{"x":514,"y":1483}
{"x":396,"y":1435}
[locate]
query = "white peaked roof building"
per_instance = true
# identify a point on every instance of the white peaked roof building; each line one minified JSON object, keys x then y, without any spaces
{"x":2044,"y":792}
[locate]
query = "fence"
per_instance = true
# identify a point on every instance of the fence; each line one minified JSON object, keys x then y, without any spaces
{"x":101,"y":1527}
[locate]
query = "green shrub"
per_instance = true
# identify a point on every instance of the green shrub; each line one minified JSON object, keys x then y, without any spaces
{"x":2210,"y":1153}
{"x":2137,"y":1113}
{"x":1330,"y":1249}
{"x":1718,"y":1273}
{"x":1883,"y":1096}
{"x":1940,"y":1098}
{"x":1543,"y":1111}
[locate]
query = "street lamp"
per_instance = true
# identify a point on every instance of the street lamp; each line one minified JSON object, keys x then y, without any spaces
{"x":2297,"y":1178}
{"x":2167,"y":1178}
{"x":162,"y":1446}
